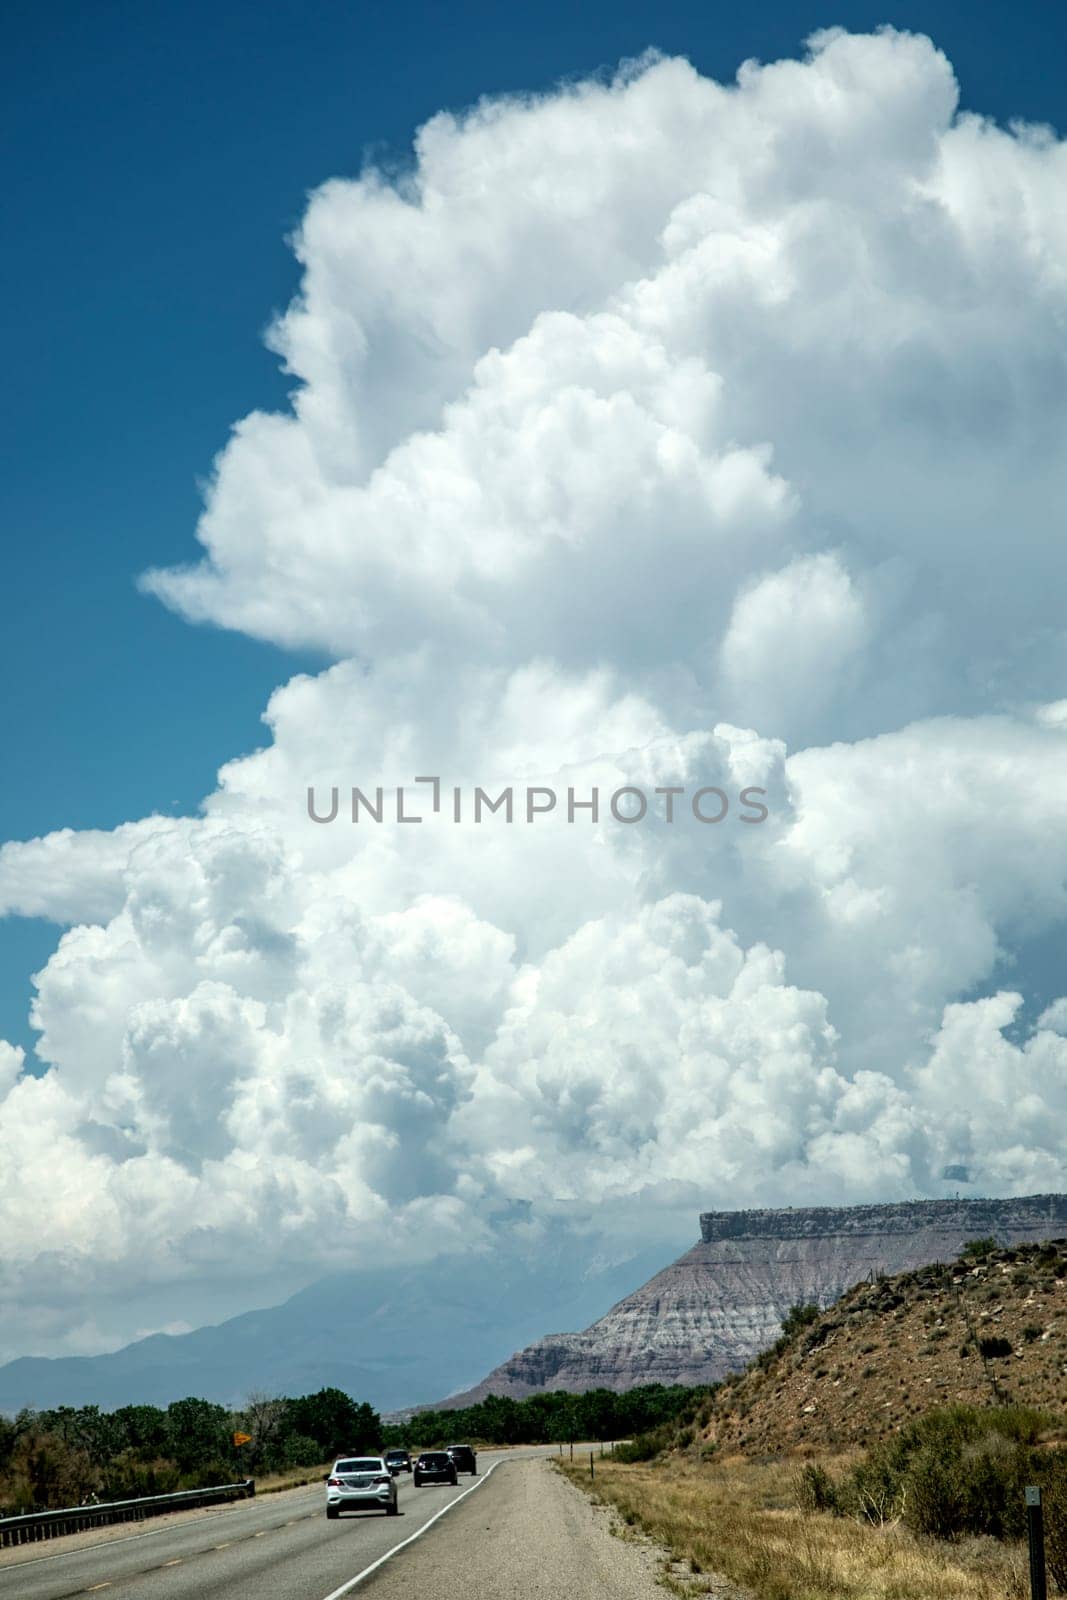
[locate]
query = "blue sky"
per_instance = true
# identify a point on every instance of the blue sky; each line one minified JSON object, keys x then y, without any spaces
{"x":157,"y":157}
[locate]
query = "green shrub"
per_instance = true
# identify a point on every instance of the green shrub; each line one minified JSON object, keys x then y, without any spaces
{"x":955,"y":1472}
{"x":645,"y":1445}
{"x":798,"y":1317}
{"x":993,"y":1348}
{"x":978,"y":1249}
{"x":815,"y":1489}
{"x":300,"y":1450}
{"x":129,"y":1478}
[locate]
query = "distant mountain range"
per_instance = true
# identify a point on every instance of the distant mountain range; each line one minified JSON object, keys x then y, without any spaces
{"x":394,"y":1336}
{"x":400,"y":1337}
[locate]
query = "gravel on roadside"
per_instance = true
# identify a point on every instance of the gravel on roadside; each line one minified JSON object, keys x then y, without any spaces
{"x":529,"y":1534}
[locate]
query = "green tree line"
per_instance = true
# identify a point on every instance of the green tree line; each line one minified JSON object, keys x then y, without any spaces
{"x":548,"y":1418}
{"x":67,"y":1455}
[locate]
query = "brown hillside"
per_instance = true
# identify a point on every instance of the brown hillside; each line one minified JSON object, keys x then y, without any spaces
{"x":971,"y":1331}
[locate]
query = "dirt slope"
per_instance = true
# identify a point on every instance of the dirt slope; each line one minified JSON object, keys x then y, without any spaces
{"x":969,"y":1331}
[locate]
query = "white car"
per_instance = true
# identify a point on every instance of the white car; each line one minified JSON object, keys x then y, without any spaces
{"x":357,"y":1482}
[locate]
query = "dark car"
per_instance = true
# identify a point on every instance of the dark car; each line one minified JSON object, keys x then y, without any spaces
{"x":434,"y":1466}
{"x":397,"y":1461}
{"x":464,"y":1458}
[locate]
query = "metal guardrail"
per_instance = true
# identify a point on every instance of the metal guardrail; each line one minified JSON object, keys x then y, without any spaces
{"x":74,"y":1519}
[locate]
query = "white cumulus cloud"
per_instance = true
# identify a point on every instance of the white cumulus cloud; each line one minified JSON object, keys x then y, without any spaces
{"x":650,"y":432}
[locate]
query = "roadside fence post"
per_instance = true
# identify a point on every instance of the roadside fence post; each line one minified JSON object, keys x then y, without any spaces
{"x":572,"y":1449}
{"x":1035,"y":1532}
{"x":592,"y":1475}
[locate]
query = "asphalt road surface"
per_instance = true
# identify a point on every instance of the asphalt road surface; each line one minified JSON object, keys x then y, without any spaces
{"x":279,"y":1546}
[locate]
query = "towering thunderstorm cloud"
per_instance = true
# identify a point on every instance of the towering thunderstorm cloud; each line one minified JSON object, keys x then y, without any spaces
{"x":654,"y":433}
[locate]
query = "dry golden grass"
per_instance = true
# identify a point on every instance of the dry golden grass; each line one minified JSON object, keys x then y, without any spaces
{"x":738,"y":1519}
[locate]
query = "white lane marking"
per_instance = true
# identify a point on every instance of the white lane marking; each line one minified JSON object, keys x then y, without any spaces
{"x":127,"y":1538}
{"x":335,"y":1594}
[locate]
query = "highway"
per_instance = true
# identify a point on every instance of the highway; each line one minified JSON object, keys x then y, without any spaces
{"x":279,"y":1545}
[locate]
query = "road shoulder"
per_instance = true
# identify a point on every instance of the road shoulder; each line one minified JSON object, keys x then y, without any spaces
{"x":527,"y":1533}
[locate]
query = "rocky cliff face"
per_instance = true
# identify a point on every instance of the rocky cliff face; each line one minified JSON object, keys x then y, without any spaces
{"x":723,"y":1301}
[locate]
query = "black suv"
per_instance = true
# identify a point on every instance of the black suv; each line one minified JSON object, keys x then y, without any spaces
{"x":434,"y":1466}
{"x":463,"y":1458}
{"x":397,"y":1461}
